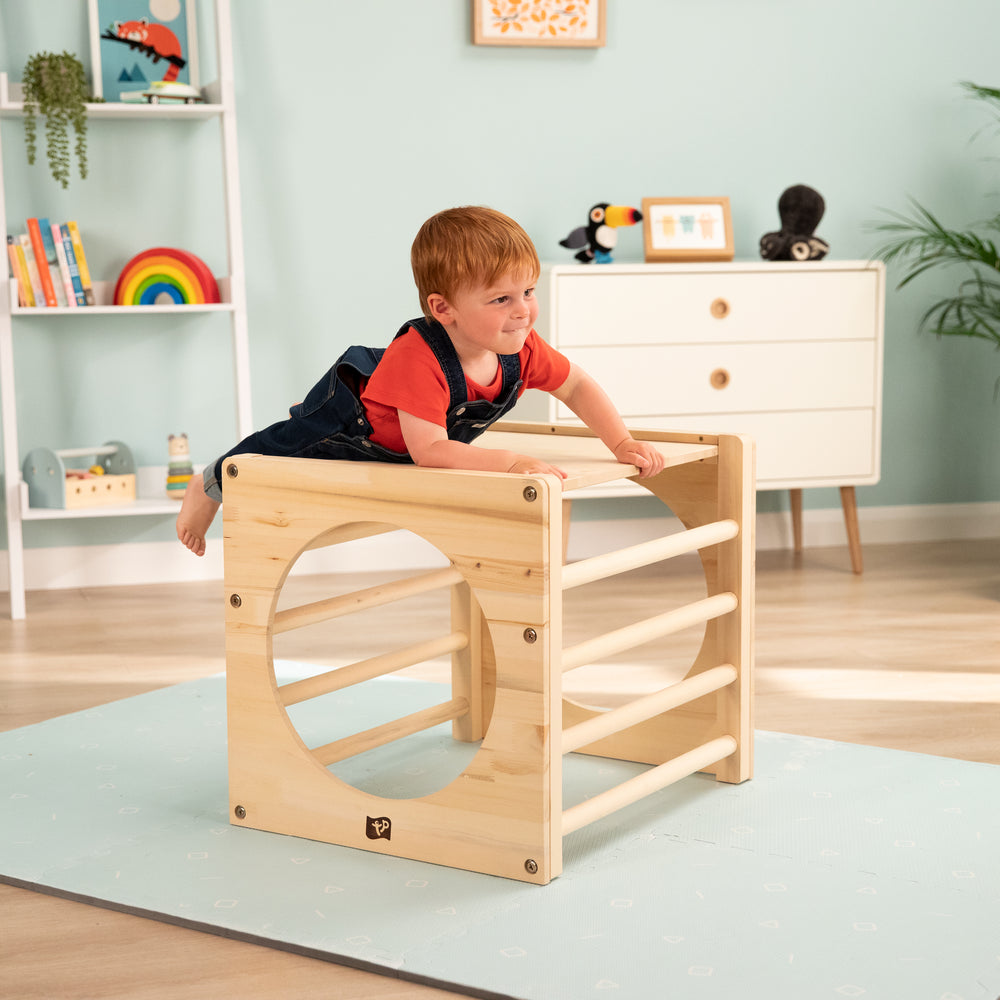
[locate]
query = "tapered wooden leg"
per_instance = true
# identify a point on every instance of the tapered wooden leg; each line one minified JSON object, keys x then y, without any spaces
{"x":850,"y":504}
{"x":796,"y":499}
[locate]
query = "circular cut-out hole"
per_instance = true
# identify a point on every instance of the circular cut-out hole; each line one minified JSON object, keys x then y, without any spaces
{"x":343,"y":723}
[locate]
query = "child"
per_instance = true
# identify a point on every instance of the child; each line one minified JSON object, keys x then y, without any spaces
{"x":444,"y":378}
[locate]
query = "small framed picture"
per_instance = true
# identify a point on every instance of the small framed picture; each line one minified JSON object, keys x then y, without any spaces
{"x":539,"y":22}
{"x":135,"y":43}
{"x":687,"y":229}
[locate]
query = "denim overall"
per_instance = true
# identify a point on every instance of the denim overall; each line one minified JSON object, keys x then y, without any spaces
{"x":331,"y":423}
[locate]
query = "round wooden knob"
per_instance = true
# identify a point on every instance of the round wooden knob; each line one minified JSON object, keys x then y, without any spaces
{"x":719,"y":308}
{"x":719,"y":378}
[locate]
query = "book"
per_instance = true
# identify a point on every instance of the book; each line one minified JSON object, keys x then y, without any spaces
{"x":32,"y":265}
{"x":74,"y":268}
{"x":52,"y":259}
{"x":41,"y":262}
{"x":81,"y":262}
{"x":67,"y":281}
{"x":29,"y":292}
{"x":23,"y":287}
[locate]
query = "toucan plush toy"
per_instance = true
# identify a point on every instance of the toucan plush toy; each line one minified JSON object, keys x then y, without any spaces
{"x":800,"y":209}
{"x":598,"y":237}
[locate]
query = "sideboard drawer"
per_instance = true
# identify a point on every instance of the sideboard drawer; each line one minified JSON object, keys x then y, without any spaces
{"x":663,"y":380}
{"x":622,"y":307}
{"x":814,"y":448}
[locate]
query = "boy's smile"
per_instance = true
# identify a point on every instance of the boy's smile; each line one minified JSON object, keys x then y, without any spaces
{"x":489,"y":319}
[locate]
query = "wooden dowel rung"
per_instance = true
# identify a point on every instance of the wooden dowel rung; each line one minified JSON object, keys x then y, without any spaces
{"x":426,"y":718}
{"x":623,"y":560}
{"x":375,"y":666}
{"x":646,"y":707}
{"x":651,"y":628}
{"x":362,"y":600}
{"x":646,"y":783}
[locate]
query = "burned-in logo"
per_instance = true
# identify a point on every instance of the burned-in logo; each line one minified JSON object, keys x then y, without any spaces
{"x":378,"y":828}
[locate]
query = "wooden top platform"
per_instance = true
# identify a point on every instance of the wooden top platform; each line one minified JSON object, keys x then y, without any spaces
{"x":584,"y":458}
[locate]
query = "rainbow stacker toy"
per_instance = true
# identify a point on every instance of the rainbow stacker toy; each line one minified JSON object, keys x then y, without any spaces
{"x":163,"y":273}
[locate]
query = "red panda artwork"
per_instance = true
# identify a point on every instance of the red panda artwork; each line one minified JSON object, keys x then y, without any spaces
{"x":144,"y":42}
{"x":154,"y":40}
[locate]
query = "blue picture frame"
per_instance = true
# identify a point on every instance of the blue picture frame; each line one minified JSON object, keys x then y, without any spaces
{"x":136,"y":42}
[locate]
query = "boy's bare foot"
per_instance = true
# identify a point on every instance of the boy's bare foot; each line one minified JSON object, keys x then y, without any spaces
{"x":197,"y":514}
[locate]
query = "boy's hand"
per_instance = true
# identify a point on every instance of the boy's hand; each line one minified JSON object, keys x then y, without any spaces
{"x":525,"y":465}
{"x":641,"y":454}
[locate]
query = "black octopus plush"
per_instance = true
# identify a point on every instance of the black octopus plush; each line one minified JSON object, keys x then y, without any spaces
{"x":800,"y":209}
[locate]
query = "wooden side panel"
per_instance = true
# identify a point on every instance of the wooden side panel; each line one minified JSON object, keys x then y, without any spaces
{"x":496,"y":816}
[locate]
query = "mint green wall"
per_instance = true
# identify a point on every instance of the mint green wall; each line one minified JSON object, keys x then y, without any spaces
{"x":357,"y":121}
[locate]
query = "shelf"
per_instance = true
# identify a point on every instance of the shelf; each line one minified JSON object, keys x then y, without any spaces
{"x":104,"y":292}
{"x":12,"y":107}
{"x":150,"y":481}
{"x":141,"y":506}
{"x":153,"y":501}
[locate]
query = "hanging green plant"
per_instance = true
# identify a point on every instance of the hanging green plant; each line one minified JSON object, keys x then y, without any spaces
{"x":55,"y":86}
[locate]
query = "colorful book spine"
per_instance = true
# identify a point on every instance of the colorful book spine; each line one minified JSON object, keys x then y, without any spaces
{"x":15,"y":269}
{"x":81,"y":262}
{"x":52,"y":259}
{"x":67,"y":279}
{"x":41,"y":262}
{"x":33,"y":274}
{"x":29,"y":292}
{"x":74,"y":268}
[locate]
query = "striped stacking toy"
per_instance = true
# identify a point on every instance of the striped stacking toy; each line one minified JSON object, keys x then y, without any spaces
{"x":180,"y":470}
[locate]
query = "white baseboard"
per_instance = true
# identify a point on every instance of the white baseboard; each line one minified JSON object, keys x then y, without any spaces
{"x":168,"y":562}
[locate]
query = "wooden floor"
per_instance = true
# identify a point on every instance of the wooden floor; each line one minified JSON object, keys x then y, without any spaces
{"x":906,"y":656}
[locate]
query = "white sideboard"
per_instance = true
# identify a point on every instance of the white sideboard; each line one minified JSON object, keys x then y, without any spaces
{"x":788,"y":353}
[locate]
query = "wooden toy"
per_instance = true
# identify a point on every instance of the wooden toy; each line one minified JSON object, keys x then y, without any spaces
{"x":503,"y":536}
{"x":178,"y":275}
{"x":179,"y":470}
{"x":51,"y":484}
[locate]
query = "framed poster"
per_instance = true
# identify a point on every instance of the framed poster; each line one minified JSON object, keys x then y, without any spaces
{"x":136,"y":42}
{"x":539,"y":22}
{"x":682,"y":229}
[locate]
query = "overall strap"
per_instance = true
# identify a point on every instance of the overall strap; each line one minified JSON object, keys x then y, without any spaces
{"x":440,"y":343}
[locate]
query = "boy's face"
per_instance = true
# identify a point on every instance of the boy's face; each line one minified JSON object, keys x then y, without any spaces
{"x":495,"y":318}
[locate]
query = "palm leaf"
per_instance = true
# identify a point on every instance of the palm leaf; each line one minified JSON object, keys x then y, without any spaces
{"x":924,"y":242}
{"x":918,"y":242}
{"x":973,"y":312}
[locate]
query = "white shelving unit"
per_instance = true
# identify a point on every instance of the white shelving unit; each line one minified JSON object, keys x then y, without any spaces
{"x":221,"y":105}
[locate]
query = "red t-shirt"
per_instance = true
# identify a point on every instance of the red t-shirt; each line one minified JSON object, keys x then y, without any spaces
{"x":409,"y":378}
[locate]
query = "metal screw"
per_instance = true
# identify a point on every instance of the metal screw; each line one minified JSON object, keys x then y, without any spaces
{"x":241,"y":813}
{"x":530,"y":635}
{"x":531,"y":866}
{"x":232,"y":470}
{"x":530,"y":493}
{"x":235,"y":600}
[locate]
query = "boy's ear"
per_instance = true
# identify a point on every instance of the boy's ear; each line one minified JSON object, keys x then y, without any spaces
{"x":439,"y":307}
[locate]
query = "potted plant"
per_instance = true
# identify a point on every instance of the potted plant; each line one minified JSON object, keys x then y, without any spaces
{"x":55,"y":86}
{"x":922,"y":242}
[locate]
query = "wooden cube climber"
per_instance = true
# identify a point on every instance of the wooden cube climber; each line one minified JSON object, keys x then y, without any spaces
{"x":503,"y":537}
